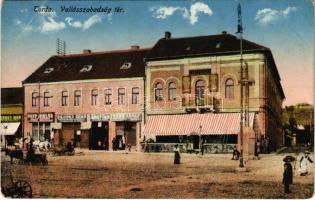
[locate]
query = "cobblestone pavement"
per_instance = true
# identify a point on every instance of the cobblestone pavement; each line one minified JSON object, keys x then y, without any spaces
{"x":98,"y":174}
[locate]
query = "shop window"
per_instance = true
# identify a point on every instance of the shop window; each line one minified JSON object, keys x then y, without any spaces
{"x":135,"y":95}
{"x":41,"y":132}
{"x":64,"y":98}
{"x":200,"y":92}
{"x":34,"y":99}
{"x":94,"y":97}
{"x":172,"y":91}
{"x":46,"y":99}
{"x":158,"y":92}
{"x":229,"y":89}
{"x":77,"y":97}
{"x":121,"y":96}
{"x":108,"y":96}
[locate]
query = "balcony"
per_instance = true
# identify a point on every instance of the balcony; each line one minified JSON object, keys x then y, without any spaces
{"x":192,"y":104}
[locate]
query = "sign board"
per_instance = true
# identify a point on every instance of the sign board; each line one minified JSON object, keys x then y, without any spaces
{"x":126,"y":117}
{"x":100,"y":117}
{"x":11,"y":118}
{"x":72,"y":118}
{"x":43,"y":117}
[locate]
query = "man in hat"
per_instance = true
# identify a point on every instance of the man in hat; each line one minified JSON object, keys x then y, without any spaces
{"x":303,"y":163}
{"x":287,"y":174}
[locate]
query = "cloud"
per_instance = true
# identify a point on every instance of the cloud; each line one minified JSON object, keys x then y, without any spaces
{"x":191,"y":15}
{"x":25,"y":10}
{"x":50,"y":25}
{"x":86,"y":24}
{"x":24,"y":27}
{"x":268,"y":16}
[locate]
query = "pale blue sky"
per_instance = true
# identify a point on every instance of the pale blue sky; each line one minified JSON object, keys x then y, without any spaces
{"x":285,"y":26}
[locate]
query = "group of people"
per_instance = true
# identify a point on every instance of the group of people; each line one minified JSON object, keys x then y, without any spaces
{"x":119,"y":143}
{"x":288,"y":171}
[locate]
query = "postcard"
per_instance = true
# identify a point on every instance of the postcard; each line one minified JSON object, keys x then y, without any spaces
{"x":189,"y":99}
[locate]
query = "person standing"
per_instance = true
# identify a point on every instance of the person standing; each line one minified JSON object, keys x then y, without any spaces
{"x":287,"y":174}
{"x":303,"y":163}
{"x":176,"y":155}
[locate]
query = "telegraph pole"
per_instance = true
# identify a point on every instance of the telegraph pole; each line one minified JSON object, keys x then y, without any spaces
{"x":240,"y":33}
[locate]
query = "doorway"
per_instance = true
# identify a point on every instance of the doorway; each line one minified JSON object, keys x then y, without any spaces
{"x":99,"y":136}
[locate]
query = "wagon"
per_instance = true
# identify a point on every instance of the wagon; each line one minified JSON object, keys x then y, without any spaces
{"x":18,"y":189}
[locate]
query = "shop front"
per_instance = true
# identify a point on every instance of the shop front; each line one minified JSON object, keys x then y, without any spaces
{"x":74,"y":129}
{"x":11,"y":128}
{"x":99,"y":138}
{"x":127,"y":130}
{"x":41,"y":126}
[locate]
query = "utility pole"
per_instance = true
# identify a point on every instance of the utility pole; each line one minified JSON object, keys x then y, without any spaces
{"x":240,"y":33}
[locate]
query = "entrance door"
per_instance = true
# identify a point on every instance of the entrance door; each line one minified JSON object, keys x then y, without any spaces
{"x":99,"y":136}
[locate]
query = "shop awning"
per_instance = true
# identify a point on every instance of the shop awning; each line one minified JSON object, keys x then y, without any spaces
{"x":9,"y":128}
{"x":189,"y":124}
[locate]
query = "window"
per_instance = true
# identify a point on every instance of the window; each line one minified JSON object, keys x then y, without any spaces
{"x":229,"y":89}
{"x":135,"y":95}
{"x":94,"y":97}
{"x":172,"y":91}
{"x":44,"y":131}
{"x":46,"y":99}
{"x":77,"y":97}
{"x":158,"y":92}
{"x":121,"y":96}
{"x":64,"y":98}
{"x":200,"y":92}
{"x":34,"y":99}
{"x":108,"y":96}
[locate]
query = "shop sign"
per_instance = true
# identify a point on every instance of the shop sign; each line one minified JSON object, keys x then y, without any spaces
{"x":11,"y":118}
{"x":43,"y":117}
{"x":100,"y":117}
{"x":126,"y":117}
{"x":72,"y":118}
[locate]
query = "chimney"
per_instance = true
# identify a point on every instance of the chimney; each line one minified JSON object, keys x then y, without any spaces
{"x":87,"y":51}
{"x":167,"y":35}
{"x":224,"y":32}
{"x":135,"y":47}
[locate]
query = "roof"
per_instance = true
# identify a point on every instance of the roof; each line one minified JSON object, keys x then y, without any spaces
{"x":222,"y":44}
{"x":195,"y":124}
{"x":12,"y":95}
{"x":201,"y":45}
{"x":98,"y":65}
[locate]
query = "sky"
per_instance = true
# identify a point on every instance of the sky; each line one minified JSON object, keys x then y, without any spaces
{"x":28,"y":34}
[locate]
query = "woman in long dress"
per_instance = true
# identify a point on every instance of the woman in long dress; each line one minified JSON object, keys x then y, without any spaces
{"x":303,"y":163}
{"x":177,"y":155}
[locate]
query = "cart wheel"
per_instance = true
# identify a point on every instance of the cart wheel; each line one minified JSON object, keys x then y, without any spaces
{"x":22,"y":190}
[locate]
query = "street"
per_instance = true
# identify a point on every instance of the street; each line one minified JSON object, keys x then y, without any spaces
{"x":98,"y":174}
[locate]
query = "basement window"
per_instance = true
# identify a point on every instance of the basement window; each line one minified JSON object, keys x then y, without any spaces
{"x":86,"y":68}
{"x":48,"y":70}
{"x":126,"y":65}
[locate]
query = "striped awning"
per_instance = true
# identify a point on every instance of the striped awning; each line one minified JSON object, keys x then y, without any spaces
{"x":195,"y":124}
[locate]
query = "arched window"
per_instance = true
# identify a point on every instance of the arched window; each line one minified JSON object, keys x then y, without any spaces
{"x":200,"y":92}
{"x":229,"y":89}
{"x":158,"y":92}
{"x":172,"y":91}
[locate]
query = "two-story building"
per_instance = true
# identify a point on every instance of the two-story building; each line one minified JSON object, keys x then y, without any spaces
{"x":193,"y":89}
{"x":88,"y":99}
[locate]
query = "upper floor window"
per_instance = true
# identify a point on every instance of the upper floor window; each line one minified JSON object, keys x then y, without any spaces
{"x":229,"y":89}
{"x":46,"y":99}
{"x":64,"y":98}
{"x":121,"y":96}
{"x":135,"y":95}
{"x":77,"y":97}
{"x":34,"y":99}
{"x":158,"y":92}
{"x":108,"y":96}
{"x":200,"y":92}
{"x":94,"y":97}
{"x":172,"y":91}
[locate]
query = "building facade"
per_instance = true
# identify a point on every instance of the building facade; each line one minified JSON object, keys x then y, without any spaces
{"x":12,"y":102}
{"x":197,"y":80}
{"x":87,"y":99}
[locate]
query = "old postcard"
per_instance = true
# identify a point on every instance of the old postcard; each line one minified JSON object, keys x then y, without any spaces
{"x":194,"y":99}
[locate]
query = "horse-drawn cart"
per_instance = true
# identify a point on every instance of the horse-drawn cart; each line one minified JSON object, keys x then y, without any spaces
{"x":18,"y":189}
{"x":25,"y":157}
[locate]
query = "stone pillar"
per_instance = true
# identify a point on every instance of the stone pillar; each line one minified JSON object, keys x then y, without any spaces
{"x":111,"y":133}
{"x":248,"y":143}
